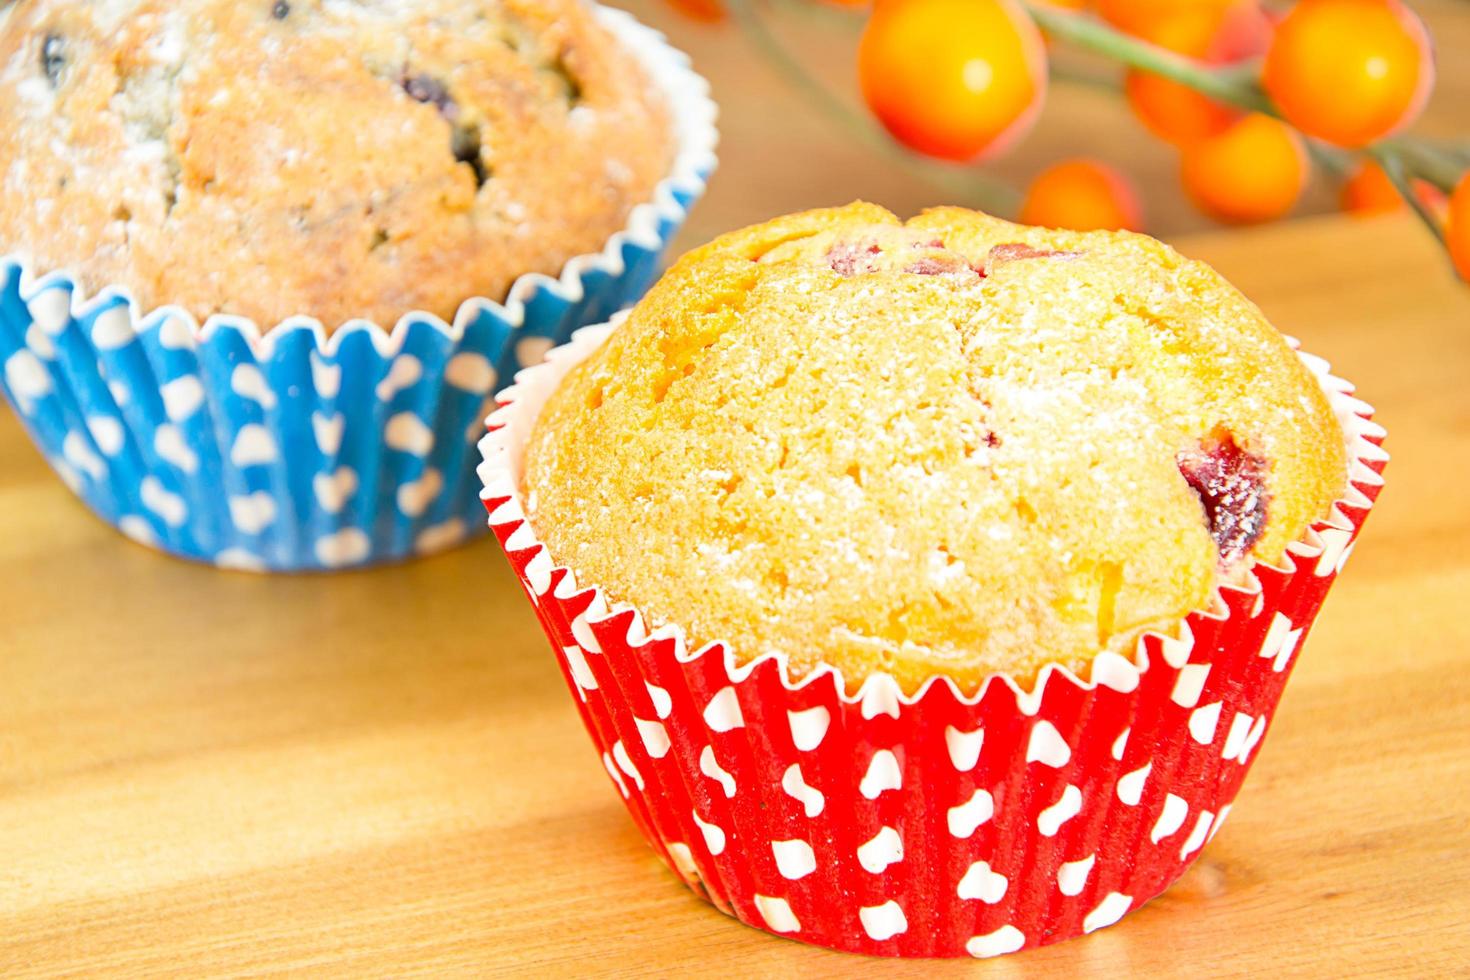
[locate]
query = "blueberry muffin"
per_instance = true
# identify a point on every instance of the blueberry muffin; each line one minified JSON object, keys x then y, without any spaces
{"x":322,"y":157}
{"x":949,"y":446}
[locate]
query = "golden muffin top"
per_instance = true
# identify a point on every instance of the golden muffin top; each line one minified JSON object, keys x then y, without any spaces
{"x":321,"y":157}
{"x":949,"y":446}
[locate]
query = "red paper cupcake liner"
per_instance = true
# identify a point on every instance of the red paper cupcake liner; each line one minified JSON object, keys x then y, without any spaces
{"x":937,"y":824}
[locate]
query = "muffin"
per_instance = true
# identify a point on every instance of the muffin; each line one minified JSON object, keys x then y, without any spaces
{"x":950,"y":446}
{"x":269,"y":159}
{"x":378,"y":212}
{"x":927,"y":587}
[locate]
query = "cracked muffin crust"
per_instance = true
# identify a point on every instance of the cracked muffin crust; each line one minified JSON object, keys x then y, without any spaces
{"x":952,"y":446}
{"x":333,"y":158}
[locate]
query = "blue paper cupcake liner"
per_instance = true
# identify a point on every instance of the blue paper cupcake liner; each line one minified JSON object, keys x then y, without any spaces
{"x":296,"y":450}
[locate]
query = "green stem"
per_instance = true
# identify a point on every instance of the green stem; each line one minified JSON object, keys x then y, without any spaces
{"x":1230,"y":86}
{"x":1422,"y":160}
{"x":985,"y":192}
{"x":1393,"y":166}
{"x":1457,"y":150}
{"x":1335,"y":161}
{"x":1068,"y":75}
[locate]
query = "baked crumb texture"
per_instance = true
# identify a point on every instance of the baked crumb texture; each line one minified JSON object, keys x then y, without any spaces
{"x":332,"y":158}
{"x":950,"y":446}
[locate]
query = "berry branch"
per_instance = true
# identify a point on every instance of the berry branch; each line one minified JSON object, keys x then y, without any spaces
{"x":1393,"y":166}
{"x":1224,"y":85}
{"x":1403,"y":159}
{"x":1242,"y":94}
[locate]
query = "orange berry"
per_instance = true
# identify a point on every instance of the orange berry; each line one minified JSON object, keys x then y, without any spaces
{"x":1457,"y":230}
{"x":1245,"y":32}
{"x":1369,"y":191}
{"x":1083,"y":195}
{"x":707,"y":11}
{"x":1254,"y":171}
{"x":1174,"y":112}
{"x":1349,"y":71}
{"x":1179,"y":25}
{"x":958,"y":79}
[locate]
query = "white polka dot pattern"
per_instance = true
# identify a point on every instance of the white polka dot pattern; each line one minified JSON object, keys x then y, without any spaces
{"x":714,"y":837}
{"x":1189,"y":685}
{"x":471,"y":372}
{"x":1072,"y":875}
{"x":182,"y":397}
{"x":1175,"y":810}
{"x":795,"y":859}
{"x":1050,"y":820}
{"x":808,"y":727}
{"x":107,"y":433}
{"x":253,"y":513}
{"x":883,"y":775}
{"x":1280,"y":643}
{"x":811,"y":799}
{"x":249,"y":383}
{"x":404,"y":372}
{"x":437,"y":537}
{"x":1006,"y":939}
{"x":407,"y":433}
{"x":884,"y":921}
{"x":169,"y":507}
{"x":1196,"y":837}
{"x":1108,"y":911}
{"x":683,"y":859}
{"x":77,"y":450}
{"x":581,"y":673}
{"x":711,"y":768}
{"x":333,"y":488}
{"x":722,"y":714}
{"x":348,"y":546}
{"x":171,"y":446}
{"x":328,"y":430}
{"x":983,"y":884}
{"x":964,"y":747}
{"x":612,"y":772}
{"x":1120,"y":744}
{"x":254,"y":446}
{"x":777,"y":914}
{"x":662,"y":703}
{"x":884,"y":849}
{"x":967,"y":816}
{"x":1047,"y":746}
{"x":325,"y":376}
{"x":625,"y":763}
{"x":1130,"y":786}
{"x":1203,"y":721}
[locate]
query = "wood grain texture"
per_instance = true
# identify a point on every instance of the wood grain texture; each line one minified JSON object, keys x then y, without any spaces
{"x":381,"y":772}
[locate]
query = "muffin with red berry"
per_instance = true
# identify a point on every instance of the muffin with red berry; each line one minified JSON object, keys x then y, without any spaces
{"x":962,"y":562}
{"x":953,"y":446}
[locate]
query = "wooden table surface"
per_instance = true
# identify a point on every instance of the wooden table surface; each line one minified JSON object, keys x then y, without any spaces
{"x":380,"y":773}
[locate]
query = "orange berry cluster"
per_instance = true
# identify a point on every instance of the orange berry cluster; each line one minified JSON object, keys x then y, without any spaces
{"x":963,"y":79}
